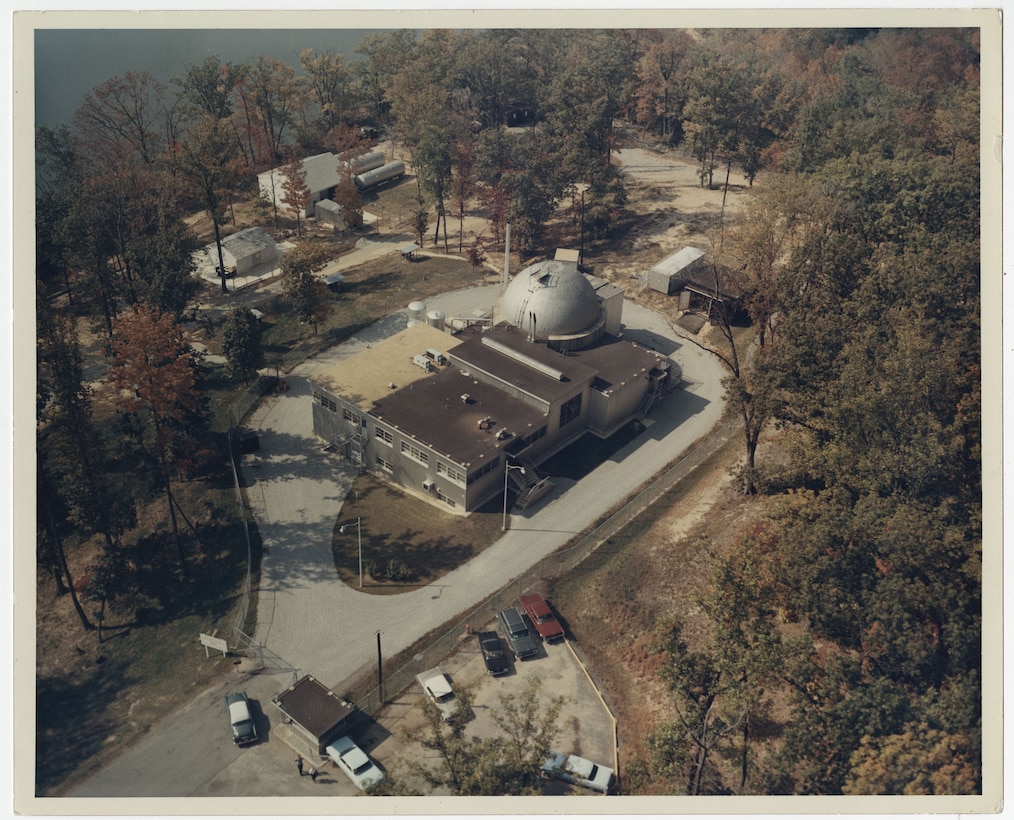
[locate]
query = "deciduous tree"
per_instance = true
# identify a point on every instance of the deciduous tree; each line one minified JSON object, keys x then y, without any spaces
{"x":303,"y":287}
{"x":153,"y":368}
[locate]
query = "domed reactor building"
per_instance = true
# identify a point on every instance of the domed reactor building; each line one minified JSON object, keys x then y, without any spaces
{"x":443,"y":414}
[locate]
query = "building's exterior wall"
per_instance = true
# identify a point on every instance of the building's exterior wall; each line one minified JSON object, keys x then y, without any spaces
{"x":608,"y":413}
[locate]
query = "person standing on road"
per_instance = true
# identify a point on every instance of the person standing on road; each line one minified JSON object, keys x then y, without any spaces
{"x":299,"y":765}
{"x":313,"y":773}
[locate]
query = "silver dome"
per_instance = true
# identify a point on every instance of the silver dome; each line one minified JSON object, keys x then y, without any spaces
{"x":561,"y":299}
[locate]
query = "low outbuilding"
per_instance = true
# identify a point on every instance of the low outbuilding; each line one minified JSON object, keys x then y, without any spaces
{"x":315,"y":713}
{"x":246,"y":250}
{"x":329,"y":212}
{"x":670,"y":275}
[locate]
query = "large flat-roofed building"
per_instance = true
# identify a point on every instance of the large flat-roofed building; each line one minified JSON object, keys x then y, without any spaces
{"x":443,"y":415}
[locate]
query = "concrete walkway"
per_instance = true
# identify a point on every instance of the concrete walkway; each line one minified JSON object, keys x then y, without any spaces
{"x":323,"y":627}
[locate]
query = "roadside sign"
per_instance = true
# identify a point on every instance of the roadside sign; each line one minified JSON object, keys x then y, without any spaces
{"x":215,"y":643}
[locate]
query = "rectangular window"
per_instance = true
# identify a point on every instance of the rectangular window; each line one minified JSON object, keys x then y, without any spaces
{"x":348,"y":415}
{"x":449,"y":502}
{"x":414,"y":452}
{"x":384,"y":435}
{"x":452,"y":473}
{"x":485,"y":468}
{"x":570,"y":410}
{"x":384,"y":465}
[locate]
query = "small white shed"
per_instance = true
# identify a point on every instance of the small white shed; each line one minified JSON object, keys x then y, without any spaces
{"x":669,"y":275}
{"x":329,"y":212}
{"x":246,"y":250}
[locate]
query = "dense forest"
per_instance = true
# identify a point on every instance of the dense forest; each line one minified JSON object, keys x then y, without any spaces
{"x":855,"y":603}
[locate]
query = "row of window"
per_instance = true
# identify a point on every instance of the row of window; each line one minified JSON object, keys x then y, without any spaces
{"x":325,"y":402}
{"x":452,"y":473}
{"x":485,"y":468}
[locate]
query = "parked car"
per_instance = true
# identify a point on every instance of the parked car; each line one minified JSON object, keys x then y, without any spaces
{"x":240,"y":721}
{"x":438,"y":689}
{"x":518,"y":636}
{"x":492,"y":654}
{"x":578,"y":770}
{"x":542,"y":617}
{"x":355,"y":763}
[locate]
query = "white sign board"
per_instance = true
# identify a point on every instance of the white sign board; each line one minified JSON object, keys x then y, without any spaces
{"x":215,"y":643}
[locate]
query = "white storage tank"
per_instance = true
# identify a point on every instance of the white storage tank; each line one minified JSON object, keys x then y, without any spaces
{"x":416,"y":310}
{"x":435,"y":318}
{"x":367,"y":162}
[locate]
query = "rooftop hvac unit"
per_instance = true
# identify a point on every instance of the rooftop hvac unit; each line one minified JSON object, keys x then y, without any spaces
{"x":419,"y":360}
{"x":436,"y":355}
{"x":428,"y":485}
{"x":466,"y":398}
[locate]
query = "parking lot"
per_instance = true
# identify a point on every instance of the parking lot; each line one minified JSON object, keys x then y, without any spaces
{"x":586,"y":727}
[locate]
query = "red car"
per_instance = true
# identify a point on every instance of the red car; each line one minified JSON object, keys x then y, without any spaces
{"x":542,"y":617}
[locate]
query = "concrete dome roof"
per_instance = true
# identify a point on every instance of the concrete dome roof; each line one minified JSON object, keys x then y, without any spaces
{"x":560,"y":297}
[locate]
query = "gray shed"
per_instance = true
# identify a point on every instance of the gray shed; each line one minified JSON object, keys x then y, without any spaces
{"x":669,"y":275}
{"x":329,"y":212}
{"x":246,"y":250}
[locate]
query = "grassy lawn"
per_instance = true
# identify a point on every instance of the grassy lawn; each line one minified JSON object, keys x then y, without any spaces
{"x":421,"y":542}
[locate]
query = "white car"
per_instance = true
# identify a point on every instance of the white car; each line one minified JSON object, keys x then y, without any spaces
{"x":438,"y":689}
{"x":355,"y":763}
{"x":579,"y":771}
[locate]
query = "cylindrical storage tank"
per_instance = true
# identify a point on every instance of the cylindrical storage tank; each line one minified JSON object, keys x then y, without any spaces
{"x":366,"y":162}
{"x":417,"y":310}
{"x":435,"y":318}
{"x":390,"y":171}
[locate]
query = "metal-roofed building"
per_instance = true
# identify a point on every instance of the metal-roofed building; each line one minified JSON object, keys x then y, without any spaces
{"x":669,"y":275}
{"x":321,"y":174}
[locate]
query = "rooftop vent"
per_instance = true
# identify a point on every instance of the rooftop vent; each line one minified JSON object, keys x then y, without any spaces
{"x":467,"y":399}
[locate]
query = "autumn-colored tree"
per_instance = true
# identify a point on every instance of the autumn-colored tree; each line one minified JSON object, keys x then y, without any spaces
{"x":507,"y":763}
{"x":153,"y":368}
{"x":206,"y":90}
{"x":331,"y":83}
{"x":124,"y":119}
{"x":303,"y":287}
{"x":241,"y":343}
{"x":208,"y":162}
{"x":433,"y":170}
{"x":295,"y":192}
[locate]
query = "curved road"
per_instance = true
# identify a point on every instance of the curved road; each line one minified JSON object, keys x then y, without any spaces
{"x":323,"y":627}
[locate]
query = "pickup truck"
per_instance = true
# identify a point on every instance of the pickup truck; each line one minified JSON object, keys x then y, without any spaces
{"x":542,"y":617}
{"x":437,"y":687}
{"x":492,"y":654}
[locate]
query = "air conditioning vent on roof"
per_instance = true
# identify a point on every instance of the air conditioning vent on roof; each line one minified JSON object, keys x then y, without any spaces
{"x":466,"y":398}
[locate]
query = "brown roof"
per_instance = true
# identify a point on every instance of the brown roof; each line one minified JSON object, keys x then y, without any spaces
{"x":617,"y":361}
{"x":432,"y":411}
{"x":313,"y":706}
{"x":515,"y":371}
